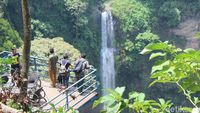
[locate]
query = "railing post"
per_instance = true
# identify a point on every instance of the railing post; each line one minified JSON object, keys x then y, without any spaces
{"x":35,"y":63}
{"x":67,"y":99}
{"x":67,"y":93}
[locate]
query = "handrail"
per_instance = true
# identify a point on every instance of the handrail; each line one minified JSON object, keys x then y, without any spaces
{"x":90,"y":86}
{"x":77,"y":89}
{"x":67,"y":89}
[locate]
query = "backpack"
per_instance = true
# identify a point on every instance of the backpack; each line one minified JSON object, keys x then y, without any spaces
{"x":64,"y":67}
{"x":79,"y":66}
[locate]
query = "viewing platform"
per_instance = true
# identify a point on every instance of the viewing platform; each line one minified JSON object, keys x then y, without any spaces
{"x":54,"y":98}
{"x":70,"y":97}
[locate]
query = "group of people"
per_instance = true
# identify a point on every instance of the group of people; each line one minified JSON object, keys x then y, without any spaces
{"x":80,"y":69}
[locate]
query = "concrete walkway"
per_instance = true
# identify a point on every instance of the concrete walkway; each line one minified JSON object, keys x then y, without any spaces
{"x":53,"y":92}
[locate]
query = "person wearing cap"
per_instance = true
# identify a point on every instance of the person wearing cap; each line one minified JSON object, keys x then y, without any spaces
{"x":53,"y":59}
{"x":15,"y":56}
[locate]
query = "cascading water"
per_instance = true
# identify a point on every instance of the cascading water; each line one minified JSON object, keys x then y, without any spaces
{"x":107,"y":51}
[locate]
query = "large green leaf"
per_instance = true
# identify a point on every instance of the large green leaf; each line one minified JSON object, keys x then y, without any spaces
{"x":114,"y":94}
{"x":162,"y":101}
{"x":160,"y":67}
{"x":115,"y":108}
{"x":104,"y":99}
{"x":158,"y":46}
{"x":145,"y":51}
{"x":133,"y":95}
{"x":187,"y":109}
{"x":141,"y":97}
{"x":96,"y":103}
{"x":152,"y":83}
{"x":189,"y":50}
{"x":154,"y":55}
{"x":120,"y":90}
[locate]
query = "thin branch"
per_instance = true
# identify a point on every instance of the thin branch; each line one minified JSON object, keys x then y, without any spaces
{"x":187,"y":95}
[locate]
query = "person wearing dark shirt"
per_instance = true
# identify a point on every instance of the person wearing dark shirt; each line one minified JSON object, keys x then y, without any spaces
{"x":81,"y":66}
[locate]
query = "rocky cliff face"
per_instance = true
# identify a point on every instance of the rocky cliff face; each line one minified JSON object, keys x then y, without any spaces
{"x":187,"y":31}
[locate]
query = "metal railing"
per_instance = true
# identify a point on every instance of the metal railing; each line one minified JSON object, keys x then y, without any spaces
{"x":89,"y":86}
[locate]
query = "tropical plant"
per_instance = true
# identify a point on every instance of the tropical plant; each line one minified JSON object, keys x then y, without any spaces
{"x":136,"y":102}
{"x":62,"y":110}
{"x":176,"y":66}
{"x":173,"y":65}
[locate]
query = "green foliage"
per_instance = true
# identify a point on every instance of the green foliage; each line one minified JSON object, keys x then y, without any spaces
{"x":115,"y":103}
{"x":41,"y":29}
{"x":173,"y":65}
{"x":73,"y":20}
{"x":40,"y":48}
{"x":133,"y":15}
{"x":169,"y":14}
{"x":8,"y":36}
{"x":144,"y":39}
{"x":4,"y":64}
{"x":177,"y":66}
{"x":13,"y":104}
{"x":61,"y":110}
{"x":132,"y":48}
{"x":75,"y":7}
{"x":2,"y":8}
{"x":197,"y":35}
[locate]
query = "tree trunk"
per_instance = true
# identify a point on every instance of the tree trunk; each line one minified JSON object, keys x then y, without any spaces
{"x":27,"y":46}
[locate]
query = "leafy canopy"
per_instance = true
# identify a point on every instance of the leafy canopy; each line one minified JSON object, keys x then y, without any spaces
{"x":169,"y":14}
{"x":8,"y":36}
{"x":133,"y":15}
{"x":134,"y":46}
{"x":40,"y":48}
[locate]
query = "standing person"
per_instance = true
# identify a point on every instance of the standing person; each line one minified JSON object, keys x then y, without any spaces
{"x":15,"y":57}
{"x":80,"y":70}
{"x":52,"y":67}
{"x":64,"y":71}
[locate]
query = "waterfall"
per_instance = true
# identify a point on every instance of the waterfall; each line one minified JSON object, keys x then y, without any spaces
{"x":107,"y":51}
